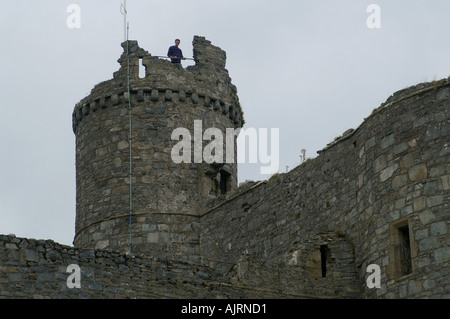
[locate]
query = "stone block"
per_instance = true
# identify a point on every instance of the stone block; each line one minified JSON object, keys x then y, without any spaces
{"x":168,"y":95}
{"x":399,"y":203}
{"x":435,"y":200}
{"x":387,"y":141}
{"x":418,"y":173}
{"x":89,"y":254}
{"x":94,"y":105}
{"x":427,"y":244}
{"x":443,"y":94}
{"x":387,"y":172}
{"x":11,"y":246}
{"x":428,"y":284}
{"x":148,"y":227}
{"x":407,"y":161}
{"x":31,"y":255}
{"x":15,"y":277}
{"x":97,"y":236}
{"x":400,"y":148}
{"x":419,"y":203}
{"x":148,"y":179}
{"x":95,"y":286}
{"x":153,"y":237}
{"x":46,"y":277}
{"x":194,"y":98}
{"x":437,"y":171}
{"x":438,"y":229}
{"x":405,"y":211}
{"x":442,"y":254}
{"x":154,"y":95}
{"x":123,"y":145}
{"x":224,"y":109}
{"x":102,"y":103}
{"x":433,"y":132}
{"x":430,"y":188}
{"x":421,"y":234}
{"x":163,"y":227}
{"x":158,"y":110}
{"x":403,"y":291}
{"x":86,"y":109}
{"x":423,"y":262}
{"x":414,"y":287}
{"x":117,"y":162}
{"x":412,"y":143}
{"x":115,"y":99}
{"x":445,"y":131}
{"x":207,"y":101}
{"x":427,"y":217}
{"x":182,"y":96}
{"x":445,"y":182}
{"x":392,"y":216}
{"x":379,"y":163}
{"x":140,"y":96}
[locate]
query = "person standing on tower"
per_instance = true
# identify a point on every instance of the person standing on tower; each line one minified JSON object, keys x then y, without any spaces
{"x":175,"y":53}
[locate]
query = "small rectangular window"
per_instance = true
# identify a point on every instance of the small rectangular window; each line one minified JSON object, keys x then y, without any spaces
{"x":224,"y":182}
{"x":402,"y":250}
{"x":323,"y":257}
{"x":405,"y":250}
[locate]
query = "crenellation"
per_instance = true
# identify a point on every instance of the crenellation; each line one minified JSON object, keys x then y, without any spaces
{"x":83,"y":109}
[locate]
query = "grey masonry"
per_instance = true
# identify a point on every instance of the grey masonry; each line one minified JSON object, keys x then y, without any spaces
{"x":379,"y":194}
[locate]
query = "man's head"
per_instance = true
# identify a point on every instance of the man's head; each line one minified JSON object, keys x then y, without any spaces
{"x":177,"y":42}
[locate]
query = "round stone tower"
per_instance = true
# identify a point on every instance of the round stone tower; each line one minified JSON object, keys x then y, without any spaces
{"x":156,"y":211}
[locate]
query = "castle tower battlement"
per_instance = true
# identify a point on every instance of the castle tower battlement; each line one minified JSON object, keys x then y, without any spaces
{"x":207,"y":83}
{"x":166,"y":197}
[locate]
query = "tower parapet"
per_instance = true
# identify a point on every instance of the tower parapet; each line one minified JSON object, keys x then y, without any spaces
{"x":167,"y":197}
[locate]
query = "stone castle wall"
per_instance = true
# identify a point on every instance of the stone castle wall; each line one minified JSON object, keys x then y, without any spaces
{"x":379,"y":194}
{"x":354,"y":200}
{"x":39,"y":269}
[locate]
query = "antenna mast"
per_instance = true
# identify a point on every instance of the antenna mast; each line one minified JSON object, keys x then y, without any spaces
{"x":123,"y":10}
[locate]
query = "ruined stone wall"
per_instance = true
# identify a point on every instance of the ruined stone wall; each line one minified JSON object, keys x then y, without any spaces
{"x":382,"y":189}
{"x":166,"y":196}
{"x":38,"y":269}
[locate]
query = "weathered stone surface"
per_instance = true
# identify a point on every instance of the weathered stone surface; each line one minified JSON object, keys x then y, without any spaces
{"x":442,"y":254}
{"x":387,"y":172}
{"x":376,"y":196}
{"x":369,"y":218}
{"x":418,"y":173}
{"x":427,"y":216}
{"x":31,"y":255}
{"x":438,"y":229}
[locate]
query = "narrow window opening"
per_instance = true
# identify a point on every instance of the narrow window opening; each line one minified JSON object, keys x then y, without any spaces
{"x":141,"y":69}
{"x":405,"y":251}
{"x":323,"y":257}
{"x":224,"y":181}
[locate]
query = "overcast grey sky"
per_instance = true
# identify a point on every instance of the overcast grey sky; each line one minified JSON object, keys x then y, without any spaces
{"x":312,"y":68}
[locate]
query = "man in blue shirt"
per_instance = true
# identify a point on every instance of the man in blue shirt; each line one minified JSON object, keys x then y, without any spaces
{"x":175,"y":53}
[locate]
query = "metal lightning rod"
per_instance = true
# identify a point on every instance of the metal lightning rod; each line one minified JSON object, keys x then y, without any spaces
{"x":123,"y":10}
